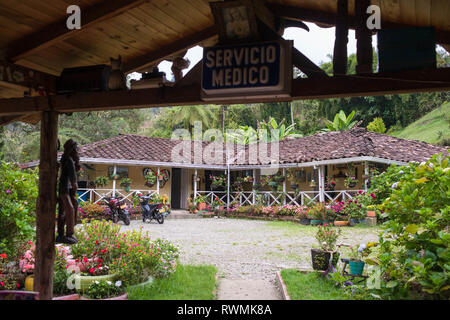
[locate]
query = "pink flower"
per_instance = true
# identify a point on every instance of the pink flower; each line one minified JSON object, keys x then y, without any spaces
{"x":8,"y":191}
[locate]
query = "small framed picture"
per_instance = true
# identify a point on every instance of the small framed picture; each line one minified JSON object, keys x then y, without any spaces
{"x":236,"y":21}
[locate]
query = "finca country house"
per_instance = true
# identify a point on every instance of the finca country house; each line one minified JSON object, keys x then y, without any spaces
{"x":323,"y":167}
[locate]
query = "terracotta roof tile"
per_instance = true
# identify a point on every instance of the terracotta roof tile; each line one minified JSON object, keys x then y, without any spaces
{"x":323,"y":146}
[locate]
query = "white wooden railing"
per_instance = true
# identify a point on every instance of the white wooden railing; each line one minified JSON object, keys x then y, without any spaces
{"x":271,"y":198}
{"x":97,"y":195}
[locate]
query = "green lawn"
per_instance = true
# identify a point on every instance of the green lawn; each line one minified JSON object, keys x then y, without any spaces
{"x":433,"y":127}
{"x":187,"y":283}
{"x":310,"y":286}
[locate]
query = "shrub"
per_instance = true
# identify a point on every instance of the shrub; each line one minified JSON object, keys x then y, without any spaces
{"x":90,"y":210}
{"x":18,"y":193}
{"x":104,"y":289}
{"x":377,"y":125}
{"x":383,"y":184}
{"x":414,"y":255}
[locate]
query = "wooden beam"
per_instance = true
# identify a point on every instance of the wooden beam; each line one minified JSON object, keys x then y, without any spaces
{"x":298,"y":59}
{"x":156,"y":56}
{"x":329,"y":18}
{"x":22,"y":78}
{"x":46,"y":206}
{"x":311,"y":88}
{"x":340,"y":44}
{"x":58,"y":31}
{"x":364,"y":50}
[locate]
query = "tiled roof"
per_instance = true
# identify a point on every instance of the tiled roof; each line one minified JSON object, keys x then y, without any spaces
{"x":324,"y":146}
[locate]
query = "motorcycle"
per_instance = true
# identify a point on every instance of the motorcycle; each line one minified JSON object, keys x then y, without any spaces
{"x":118,"y":210}
{"x":151,"y":210}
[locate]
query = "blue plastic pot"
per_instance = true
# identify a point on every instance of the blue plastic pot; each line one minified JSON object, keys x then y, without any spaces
{"x":356,"y":267}
{"x":315,"y":222}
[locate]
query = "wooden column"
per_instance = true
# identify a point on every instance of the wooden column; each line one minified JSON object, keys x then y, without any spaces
{"x":195,"y":183}
{"x":114,"y":181}
{"x":46,"y":206}
{"x":253,"y":189}
{"x":321,"y":184}
{"x":366,"y":172}
{"x":284,"y":186}
{"x":340,"y":44}
{"x":364,"y":53}
{"x":157,"y":180}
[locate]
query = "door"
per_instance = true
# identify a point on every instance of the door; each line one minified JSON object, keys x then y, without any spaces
{"x":175,"y":188}
{"x":179,"y":188}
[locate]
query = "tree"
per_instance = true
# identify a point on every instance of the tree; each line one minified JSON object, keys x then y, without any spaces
{"x":188,"y":115}
{"x":341,"y":122}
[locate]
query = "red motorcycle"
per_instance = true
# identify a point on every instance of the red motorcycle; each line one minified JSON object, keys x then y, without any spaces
{"x":118,"y":210}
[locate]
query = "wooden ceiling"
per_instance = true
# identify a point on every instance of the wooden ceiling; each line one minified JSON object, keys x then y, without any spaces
{"x":33,"y":33}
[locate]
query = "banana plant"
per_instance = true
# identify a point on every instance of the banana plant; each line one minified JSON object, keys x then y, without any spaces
{"x":278,"y":131}
{"x":341,"y":122}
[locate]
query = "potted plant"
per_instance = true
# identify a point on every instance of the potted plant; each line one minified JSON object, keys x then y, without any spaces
{"x":114,"y":176}
{"x":218,"y":204}
{"x":101,"y":181}
{"x":150,"y":178}
{"x":326,"y":236}
{"x":341,"y":220}
{"x":200,"y":201}
{"x":371,"y":211}
{"x":217,"y":181}
{"x":273,"y":185}
{"x":126,"y":182}
{"x":356,"y":255}
{"x":304,"y":218}
{"x":350,"y":182}
{"x":316,"y":212}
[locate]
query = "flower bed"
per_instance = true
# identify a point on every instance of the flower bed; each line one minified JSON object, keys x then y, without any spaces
{"x":103,"y":262}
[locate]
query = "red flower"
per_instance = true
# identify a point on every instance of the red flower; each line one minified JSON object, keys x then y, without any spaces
{"x":92,"y":270}
{"x":3,"y":255}
{"x":17,"y":285}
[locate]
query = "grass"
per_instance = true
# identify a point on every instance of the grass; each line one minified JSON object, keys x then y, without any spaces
{"x":187,"y":283}
{"x":433,"y":127}
{"x":310,"y":286}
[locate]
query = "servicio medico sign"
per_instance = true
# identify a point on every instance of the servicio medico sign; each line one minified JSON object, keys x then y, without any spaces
{"x":245,"y":71}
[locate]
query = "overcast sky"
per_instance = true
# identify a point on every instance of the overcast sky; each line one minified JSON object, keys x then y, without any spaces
{"x":315,"y":44}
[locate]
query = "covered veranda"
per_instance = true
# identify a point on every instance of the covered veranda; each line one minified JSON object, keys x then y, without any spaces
{"x":37,"y":46}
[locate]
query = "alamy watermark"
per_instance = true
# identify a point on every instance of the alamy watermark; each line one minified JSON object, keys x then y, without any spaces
{"x":74,"y":20}
{"x":236,"y":147}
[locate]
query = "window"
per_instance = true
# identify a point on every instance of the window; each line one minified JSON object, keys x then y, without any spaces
{"x":121,"y":171}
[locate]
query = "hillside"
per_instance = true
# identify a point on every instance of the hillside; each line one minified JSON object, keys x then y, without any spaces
{"x":434,"y":127}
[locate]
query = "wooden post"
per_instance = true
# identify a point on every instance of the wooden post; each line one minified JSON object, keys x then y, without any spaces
{"x":46,"y":206}
{"x":366,"y":172}
{"x":321,"y":184}
{"x":364,"y":53}
{"x":157,"y":180}
{"x":340,"y":44}
{"x":284,"y":186}
{"x":114,"y":181}
{"x":195,"y":184}
{"x":253,"y":189}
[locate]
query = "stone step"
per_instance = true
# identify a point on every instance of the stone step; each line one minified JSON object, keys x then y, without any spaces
{"x":182,"y":214}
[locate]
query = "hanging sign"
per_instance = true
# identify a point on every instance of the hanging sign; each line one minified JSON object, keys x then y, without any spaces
{"x":248,"y":70}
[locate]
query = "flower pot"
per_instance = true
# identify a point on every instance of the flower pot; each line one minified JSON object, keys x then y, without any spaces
{"x":371,"y":213}
{"x":315,"y":222}
{"x":354,"y":222}
{"x":327,"y":222}
{"x":29,"y":282}
{"x":352,"y":184}
{"x":321,"y":259}
{"x":356,"y":267}
{"x":85,"y":281}
{"x":341,"y":223}
{"x":305,"y":222}
{"x":201,"y":206}
{"x":127,"y":188}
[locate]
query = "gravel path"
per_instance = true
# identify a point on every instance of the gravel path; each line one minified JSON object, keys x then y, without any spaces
{"x":245,"y":249}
